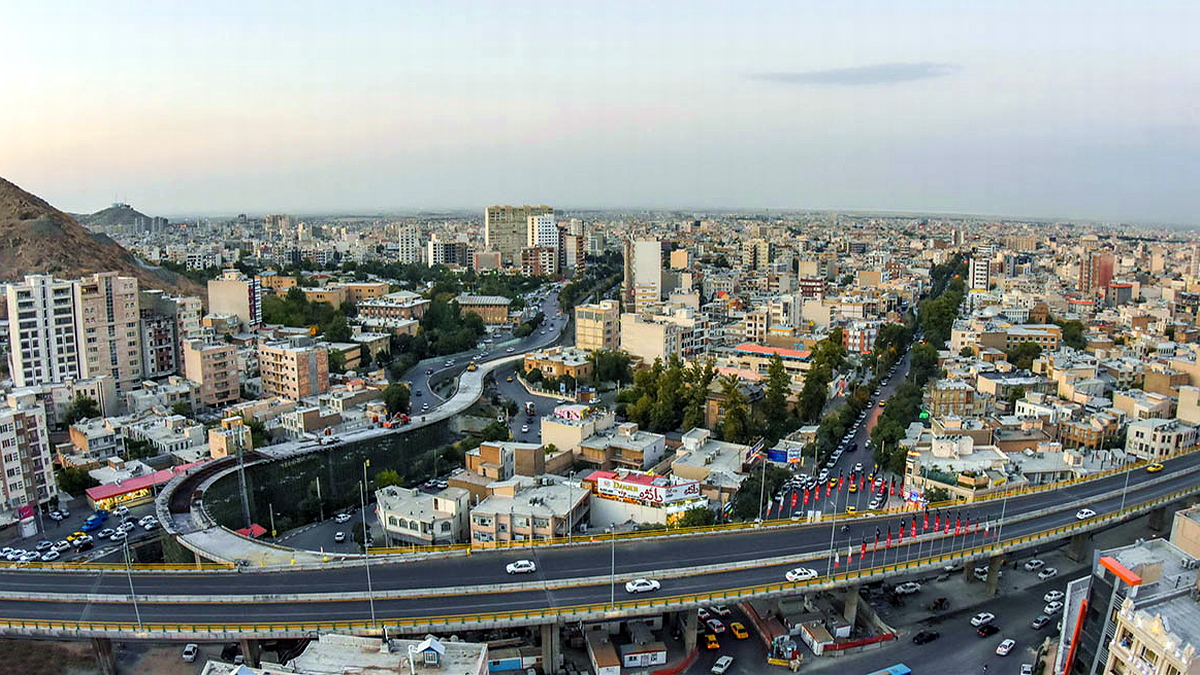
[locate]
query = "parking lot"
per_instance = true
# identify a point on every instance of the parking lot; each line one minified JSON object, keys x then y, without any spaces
{"x":56,"y":532}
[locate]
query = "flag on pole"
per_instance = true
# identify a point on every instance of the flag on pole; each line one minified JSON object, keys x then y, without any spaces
{"x":862,"y":553}
{"x":947,"y":524}
{"x":876,"y":540}
{"x":958,"y":526}
{"x":841,"y":480}
{"x":889,"y":537}
{"x":806,"y":496}
{"x":937,"y":521}
{"x":893,"y":486}
{"x":902,"y":532}
{"x":795,"y":496}
{"x":926,"y":525}
{"x":836,"y":560}
{"x":849,"y":555}
{"x":913,"y":529}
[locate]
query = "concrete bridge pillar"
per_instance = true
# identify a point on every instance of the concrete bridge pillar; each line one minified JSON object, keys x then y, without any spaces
{"x":691,"y":620}
{"x":1158,"y":519}
{"x":968,"y":571}
{"x":1077,"y":547}
{"x":993,"y":577}
{"x":252,"y":652}
{"x":551,"y":649}
{"x":850,"y":606}
{"x":105,"y":658}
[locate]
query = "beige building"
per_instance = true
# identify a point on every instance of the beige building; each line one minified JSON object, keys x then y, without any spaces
{"x":493,"y":309}
{"x":226,"y":439}
{"x":235,"y":293}
{"x":629,"y":447}
{"x":559,"y":362}
{"x":293,"y":369}
{"x":506,"y":229}
{"x":357,"y":291}
{"x":214,"y":368}
{"x":333,"y":294}
{"x":570,"y":425}
{"x":275,"y":282}
{"x":409,"y":516}
{"x":524,"y":509}
{"x":648,"y":339}
{"x":1158,"y":640}
{"x":108,"y":321}
{"x":598,"y":326}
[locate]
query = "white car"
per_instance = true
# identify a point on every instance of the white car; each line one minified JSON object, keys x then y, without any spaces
{"x":510,"y":350}
{"x":1084,"y":514}
{"x":61,"y":546}
{"x":1047,"y":573}
{"x":642,"y":586}
{"x":342,"y":518}
{"x":721,"y":665}
{"x":521,"y":567}
{"x":1034,"y":565}
{"x":121,"y":511}
{"x":908,"y":588}
{"x":1005,"y":647}
{"x":1026,"y":669}
{"x":801,"y":574}
{"x":189,"y":651}
{"x":1053,"y":596}
{"x":1052,"y":608}
{"x":339,"y":537}
{"x":524,"y":428}
{"x":982,"y":618}
{"x":50,"y":556}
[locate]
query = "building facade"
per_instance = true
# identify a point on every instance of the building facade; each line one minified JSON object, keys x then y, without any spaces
{"x":506,"y":229}
{"x":236,"y":294}
{"x":598,"y":326}
{"x":43,"y":346}
{"x":293,"y":369}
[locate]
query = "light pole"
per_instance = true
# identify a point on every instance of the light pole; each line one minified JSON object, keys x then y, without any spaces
{"x":362,"y":499}
{"x":762,"y":489}
{"x":1125,"y":489}
{"x":129,"y":575}
{"x":832,"y":531}
{"x":612,"y":578}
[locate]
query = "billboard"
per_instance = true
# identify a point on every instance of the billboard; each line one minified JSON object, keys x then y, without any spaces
{"x":648,"y":494}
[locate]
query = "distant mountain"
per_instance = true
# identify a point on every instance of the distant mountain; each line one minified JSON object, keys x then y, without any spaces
{"x":36,"y":238}
{"x":117,"y":214}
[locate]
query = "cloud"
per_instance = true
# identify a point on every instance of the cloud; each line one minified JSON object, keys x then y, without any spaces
{"x":879,"y":73}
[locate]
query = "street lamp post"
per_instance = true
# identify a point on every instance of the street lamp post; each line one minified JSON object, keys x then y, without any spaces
{"x":612,"y":577}
{"x":362,"y":498}
{"x":1125,"y":489}
{"x":129,"y":575}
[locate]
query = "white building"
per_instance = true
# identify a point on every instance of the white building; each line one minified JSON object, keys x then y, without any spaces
{"x":409,"y":516}
{"x":541,"y":230}
{"x":408,"y":249}
{"x":42,"y":334}
{"x":25,"y":456}
{"x":647,"y":274}
{"x":980,"y":274}
{"x":1153,"y":438}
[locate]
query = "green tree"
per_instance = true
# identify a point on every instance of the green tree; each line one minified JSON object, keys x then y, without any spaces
{"x":668,"y":406}
{"x":181,"y":408}
{"x":337,"y":330}
{"x":966,"y":351}
{"x":337,"y":361}
{"x":747,"y":501}
{"x":258,"y":433}
{"x":495,"y":431}
{"x":74,"y":480}
{"x":610,"y":366}
{"x":775,"y":407}
{"x":1022,"y":355}
{"x":735,"y":428}
{"x":1015,"y":394}
{"x":396,"y":397}
{"x":82,"y":407}
{"x":1072,"y":334}
{"x":937,"y":494}
{"x":385,"y":478}
{"x":697,"y":516}
{"x":534,"y":376}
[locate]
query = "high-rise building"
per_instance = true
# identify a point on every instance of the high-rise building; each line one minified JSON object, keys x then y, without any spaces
{"x":506,"y":229}
{"x":980,"y":273}
{"x":213,"y":366}
{"x":108,"y":322}
{"x":541,"y":230}
{"x":598,"y":326}
{"x":236,"y":294}
{"x":647,"y":274}
{"x":26,"y":461}
{"x":539,"y":261}
{"x":183,"y":310}
{"x":160,"y":357}
{"x":450,"y":253}
{"x":1095,"y":271}
{"x":756,"y":254}
{"x":43,"y":345}
{"x":293,"y":369}
{"x":408,"y":249}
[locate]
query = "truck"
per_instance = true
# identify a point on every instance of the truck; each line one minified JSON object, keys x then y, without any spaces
{"x":530,"y":409}
{"x":397,"y":420}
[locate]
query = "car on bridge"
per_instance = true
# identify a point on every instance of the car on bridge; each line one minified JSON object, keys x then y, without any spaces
{"x":1154,"y":468}
{"x":1005,"y":647}
{"x":642,"y":586}
{"x":1084,"y":514}
{"x":521,"y":567}
{"x":801,"y":574}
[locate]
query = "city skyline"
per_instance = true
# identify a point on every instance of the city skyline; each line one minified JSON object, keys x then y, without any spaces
{"x":1071,"y":111}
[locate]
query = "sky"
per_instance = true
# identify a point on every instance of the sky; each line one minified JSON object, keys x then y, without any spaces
{"x":1072,"y":109}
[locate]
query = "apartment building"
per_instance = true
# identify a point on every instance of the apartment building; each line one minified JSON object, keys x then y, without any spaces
{"x":274,"y":282}
{"x":238,"y":295}
{"x":448,"y":253}
{"x":524,"y":509}
{"x":398,"y":305}
{"x":408,"y":245}
{"x":560,"y":362}
{"x":598,"y":326}
{"x":95,"y":440}
{"x":647,"y":274}
{"x":1151,"y":439}
{"x":293,"y":369}
{"x":859,"y":336}
{"x":409,"y":516}
{"x":108,"y":321}
{"x":647,"y":339}
{"x":160,"y":356}
{"x":570,"y":425}
{"x":506,"y":229}
{"x":539,"y":261}
{"x":627,"y":447}
{"x":184,"y":311}
{"x":43,"y":344}
{"x":229,"y":438}
{"x":541,"y":230}
{"x":357,"y":291}
{"x":213,"y":366}
{"x":25,"y":456}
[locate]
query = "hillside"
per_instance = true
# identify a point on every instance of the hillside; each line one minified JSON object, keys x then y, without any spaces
{"x":37,"y":238}
{"x":117,"y":214}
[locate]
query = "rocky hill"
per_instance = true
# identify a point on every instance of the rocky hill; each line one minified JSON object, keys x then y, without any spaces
{"x":37,"y":238}
{"x":117,"y":214}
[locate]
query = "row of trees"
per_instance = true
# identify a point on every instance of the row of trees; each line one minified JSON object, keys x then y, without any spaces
{"x":828,"y":355}
{"x":600,"y":274}
{"x":936,"y":314}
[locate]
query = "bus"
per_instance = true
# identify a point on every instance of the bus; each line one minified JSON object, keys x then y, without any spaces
{"x":898,"y":669}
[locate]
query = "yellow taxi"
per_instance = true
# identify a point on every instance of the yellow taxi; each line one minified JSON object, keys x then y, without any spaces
{"x":76,"y":535}
{"x":739,"y":631}
{"x":1154,"y":468}
{"x":850,"y":510}
{"x":509,"y":379}
{"x":853,"y":487}
{"x":710,"y":641}
{"x":882,"y":404}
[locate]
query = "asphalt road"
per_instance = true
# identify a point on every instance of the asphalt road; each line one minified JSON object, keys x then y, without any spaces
{"x":632,"y":557}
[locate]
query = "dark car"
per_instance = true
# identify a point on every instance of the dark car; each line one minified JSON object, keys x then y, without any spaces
{"x":988,"y":630}
{"x":925,"y":637}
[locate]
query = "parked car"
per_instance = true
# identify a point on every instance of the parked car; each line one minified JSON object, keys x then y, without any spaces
{"x":1026,"y":669}
{"x":121,"y":511}
{"x":1047,"y":573}
{"x":1034,"y":565}
{"x":521,"y":567}
{"x":1052,"y":596}
{"x":1005,"y":647}
{"x":189,"y":652}
{"x":642,"y":586}
{"x":50,"y":556}
{"x":925,"y":637}
{"x":342,"y":518}
{"x":44,"y":545}
{"x":339,"y":537}
{"x":1040,"y":622}
{"x":1052,"y":608}
{"x":908,"y":588}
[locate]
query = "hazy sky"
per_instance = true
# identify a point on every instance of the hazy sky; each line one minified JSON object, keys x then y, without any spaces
{"x":1085,"y":109}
